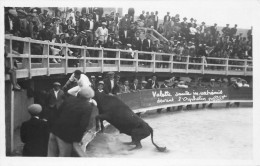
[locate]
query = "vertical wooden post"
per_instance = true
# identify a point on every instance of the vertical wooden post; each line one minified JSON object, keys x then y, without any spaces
{"x":136,"y":61}
{"x":29,"y":61}
{"x":84,"y":59}
{"x":226,"y":66}
{"x":101,"y":62}
{"x":153,"y":63}
{"x":26,"y":50}
{"x":187,"y":63}
{"x":203,"y":65}
{"x":45,"y":61}
{"x":64,"y":62}
{"x":11,"y":52}
{"x":171,"y":64}
{"x":119,"y":61}
{"x":245,"y":66}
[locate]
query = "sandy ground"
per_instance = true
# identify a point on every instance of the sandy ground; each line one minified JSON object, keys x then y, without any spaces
{"x":197,"y":134}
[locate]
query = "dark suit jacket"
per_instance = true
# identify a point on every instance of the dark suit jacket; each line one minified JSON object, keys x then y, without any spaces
{"x":150,"y":83}
{"x":165,"y":18}
{"x":137,"y":44}
{"x":124,"y":24}
{"x":146,"y":45}
{"x":35,"y":134}
{"x":131,"y":11}
{"x":142,"y":17}
{"x":132,"y":87}
{"x":53,"y":101}
{"x":82,"y":25}
{"x":107,"y":87}
{"x":73,"y":120}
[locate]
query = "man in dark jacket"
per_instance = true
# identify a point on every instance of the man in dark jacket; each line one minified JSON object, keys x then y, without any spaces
{"x":110,"y":85}
{"x":71,"y":124}
{"x":137,"y":42}
{"x":34,"y":133}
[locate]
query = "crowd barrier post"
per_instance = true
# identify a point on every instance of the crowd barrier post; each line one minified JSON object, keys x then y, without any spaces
{"x":187,"y":63}
{"x":227,"y":61}
{"x":136,"y":61}
{"x":101,"y":62}
{"x":27,"y":51}
{"x":171,"y":64}
{"x":64,"y":62}
{"x":203,"y":65}
{"x":11,"y":51}
{"x":118,"y":61}
{"x":245,"y":66}
{"x":81,"y":63}
{"x":153,"y":58}
{"x":45,"y":61}
{"x":84,"y":59}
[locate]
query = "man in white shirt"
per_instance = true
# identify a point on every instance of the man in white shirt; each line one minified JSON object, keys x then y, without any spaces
{"x":102,"y":33}
{"x":81,"y":79}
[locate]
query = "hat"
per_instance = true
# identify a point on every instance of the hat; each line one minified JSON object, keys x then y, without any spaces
{"x":129,"y":45}
{"x":110,"y":73}
{"x":13,"y":12}
{"x":33,"y":10}
{"x":86,"y":92}
{"x":20,"y":11}
{"x":35,"y":109}
{"x":181,"y":82}
{"x":101,"y":82}
{"x":144,"y":82}
{"x":104,"y":23}
{"x":184,"y":18}
{"x":57,"y":83}
{"x":191,"y":19}
{"x":212,"y":79}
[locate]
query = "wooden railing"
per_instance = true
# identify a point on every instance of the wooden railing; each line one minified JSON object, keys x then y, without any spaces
{"x":98,"y":61}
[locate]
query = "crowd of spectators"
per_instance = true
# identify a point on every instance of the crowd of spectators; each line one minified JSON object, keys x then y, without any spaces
{"x":90,"y":28}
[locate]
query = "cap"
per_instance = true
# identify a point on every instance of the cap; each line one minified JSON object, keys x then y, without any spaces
{"x":212,"y":79}
{"x":104,"y":23}
{"x":144,"y":82}
{"x":101,"y":82}
{"x":87,"y":92}
{"x":57,"y":83}
{"x":129,"y":45}
{"x":110,"y":73}
{"x":185,"y":18}
{"x":35,"y":109}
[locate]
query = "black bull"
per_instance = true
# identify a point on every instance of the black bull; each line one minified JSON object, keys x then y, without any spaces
{"x":118,"y":114}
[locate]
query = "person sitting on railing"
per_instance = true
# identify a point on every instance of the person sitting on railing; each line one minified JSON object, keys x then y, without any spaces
{"x":12,"y":23}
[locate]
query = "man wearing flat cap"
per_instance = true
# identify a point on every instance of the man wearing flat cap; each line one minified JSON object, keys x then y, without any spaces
{"x":110,"y":85}
{"x":55,"y":98}
{"x":34,"y":133}
{"x":71,"y":124}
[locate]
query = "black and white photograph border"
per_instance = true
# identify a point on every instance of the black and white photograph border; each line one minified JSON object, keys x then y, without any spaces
{"x":108,"y":147}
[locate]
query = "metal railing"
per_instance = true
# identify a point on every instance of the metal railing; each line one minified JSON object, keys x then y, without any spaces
{"x":95,"y":59}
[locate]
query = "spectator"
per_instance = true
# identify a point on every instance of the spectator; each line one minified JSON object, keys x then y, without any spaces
{"x":153,"y":83}
{"x":34,"y":133}
{"x":35,"y":18}
{"x":54,"y":100}
{"x":143,"y":85}
{"x":102,"y":33}
{"x":125,"y":87}
{"x":131,"y":14}
{"x":137,"y":42}
{"x":156,"y":20}
{"x":147,"y":47}
{"x":142,"y":17}
{"x":135,"y":86}
{"x":100,"y":87}
{"x":233,"y":31}
{"x":93,"y":82}
{"x":226,"y":30}
{"x":46,"y":33}
{"x":110,"y":84}
{"x":124,"y":26}
{"x":12,"y":23}
{"x":166,"y":18}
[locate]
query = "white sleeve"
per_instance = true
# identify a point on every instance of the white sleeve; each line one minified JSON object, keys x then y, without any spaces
{"x":72,"y":78}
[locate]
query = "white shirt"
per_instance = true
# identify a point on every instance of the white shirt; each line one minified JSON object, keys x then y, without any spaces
{"x":82,"y":82}
{"x":91,"y":24}
{"x":112,"y":83}
{"x":156,"y":18}
{"x":193,"y":30}
{"x":10,"y":23}
{"x":97,"y":17}
{"x":102,"y":33}
{"x":56,"y":93}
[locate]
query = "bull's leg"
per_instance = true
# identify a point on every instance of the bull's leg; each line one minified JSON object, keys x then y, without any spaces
{"x":137,"y":135}
{"x":100,"y":118}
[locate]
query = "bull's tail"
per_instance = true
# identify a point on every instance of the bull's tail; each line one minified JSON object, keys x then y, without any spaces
{"x":161,"y":149}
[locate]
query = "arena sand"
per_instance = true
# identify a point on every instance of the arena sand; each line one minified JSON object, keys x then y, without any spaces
{"x":196,"y":134}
